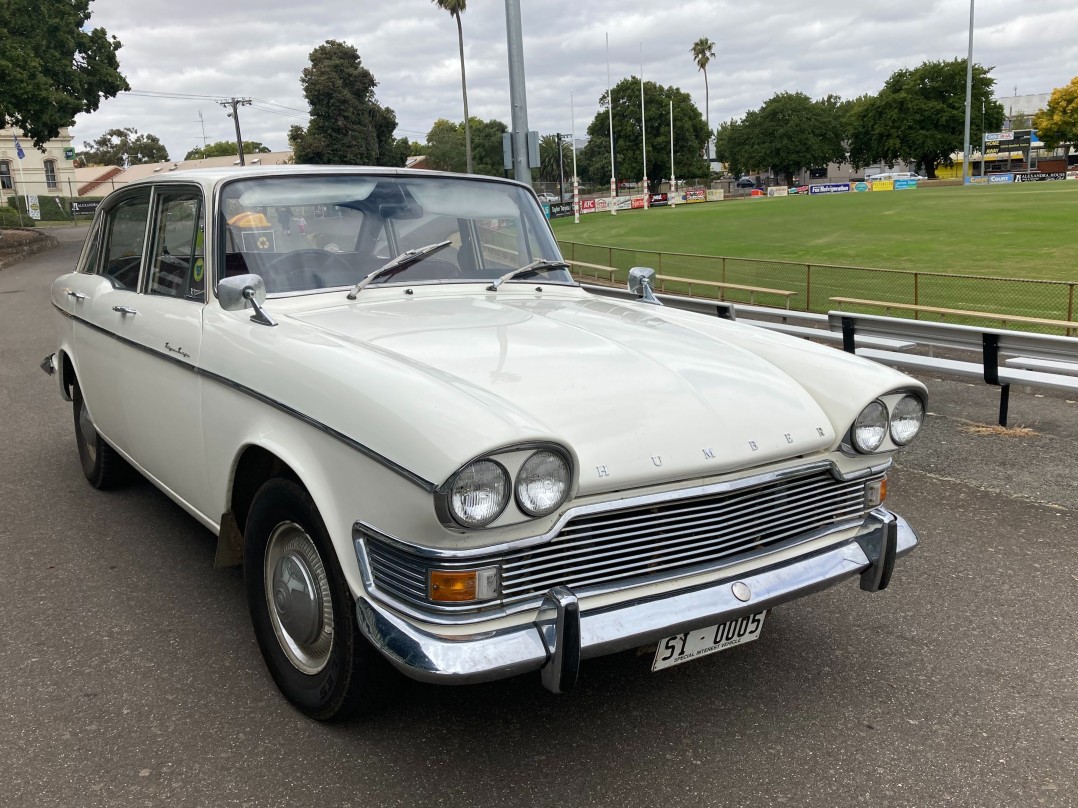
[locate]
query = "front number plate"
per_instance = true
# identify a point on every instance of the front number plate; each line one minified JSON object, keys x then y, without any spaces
{"x":703,"y":641}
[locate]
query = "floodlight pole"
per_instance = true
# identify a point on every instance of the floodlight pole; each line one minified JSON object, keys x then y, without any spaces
{"x":969,"y":95}
{"x":517,"y":97}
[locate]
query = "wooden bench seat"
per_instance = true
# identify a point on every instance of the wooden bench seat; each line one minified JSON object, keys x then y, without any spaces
{"x":1068,"y":325}
{"x":722,"y":286}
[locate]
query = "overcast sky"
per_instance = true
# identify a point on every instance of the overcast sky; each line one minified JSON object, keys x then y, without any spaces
{"x":208,"y":49}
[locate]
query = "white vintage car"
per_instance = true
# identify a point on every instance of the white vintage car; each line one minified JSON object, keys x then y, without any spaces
{"x":428,"y":445}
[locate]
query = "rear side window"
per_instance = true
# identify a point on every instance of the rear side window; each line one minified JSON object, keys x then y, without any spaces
{"x":126,"y":228}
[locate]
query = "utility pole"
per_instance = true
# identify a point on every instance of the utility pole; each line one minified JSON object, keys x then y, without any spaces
{"x":236,"y":103}
{"x":969,"y":88}
{"x":518,"y":98}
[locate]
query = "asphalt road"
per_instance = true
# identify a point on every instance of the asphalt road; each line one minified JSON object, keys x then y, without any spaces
{"x":129,"y":675}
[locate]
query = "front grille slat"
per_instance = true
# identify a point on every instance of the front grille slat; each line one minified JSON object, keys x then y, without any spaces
{"x":644,"y":540}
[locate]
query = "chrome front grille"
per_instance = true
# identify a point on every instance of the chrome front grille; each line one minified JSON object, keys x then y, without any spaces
{"x":668,"y":537}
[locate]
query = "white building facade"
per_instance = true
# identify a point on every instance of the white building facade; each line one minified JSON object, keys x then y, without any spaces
{"x":49,"y":173}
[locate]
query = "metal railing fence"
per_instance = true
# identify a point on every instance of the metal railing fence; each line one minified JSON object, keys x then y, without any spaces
{"x":815,"y":284}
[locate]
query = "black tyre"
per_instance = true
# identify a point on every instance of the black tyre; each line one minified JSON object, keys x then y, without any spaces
{"x":302,"y":610}
{"x":101,"y":464}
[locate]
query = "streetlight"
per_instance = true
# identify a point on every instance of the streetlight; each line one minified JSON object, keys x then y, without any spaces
{"x":969,"y":93}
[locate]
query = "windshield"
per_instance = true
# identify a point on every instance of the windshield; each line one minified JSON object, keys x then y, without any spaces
{"x":306,"y":233}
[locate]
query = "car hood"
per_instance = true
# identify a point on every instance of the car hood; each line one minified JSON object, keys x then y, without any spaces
{"x":638,"y":394}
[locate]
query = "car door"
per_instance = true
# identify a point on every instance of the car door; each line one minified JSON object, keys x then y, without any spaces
{"x":160,"y":386}
{"x":96,"y":298}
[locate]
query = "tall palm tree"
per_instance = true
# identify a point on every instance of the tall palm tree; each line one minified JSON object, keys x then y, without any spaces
{"x":456,"y":8}
{"x":703,"y":51}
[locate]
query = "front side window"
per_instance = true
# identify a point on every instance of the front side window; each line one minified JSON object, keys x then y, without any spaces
{"x":306,"y":233}
{"x":177,"y":262}
{"x":126,"y":234}
{"x":50,"y":174}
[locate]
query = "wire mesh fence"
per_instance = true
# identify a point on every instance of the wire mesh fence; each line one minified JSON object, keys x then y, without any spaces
{"x":813,"y":287}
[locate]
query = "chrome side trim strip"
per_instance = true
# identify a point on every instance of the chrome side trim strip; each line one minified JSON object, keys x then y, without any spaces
{"x":366,"y":451}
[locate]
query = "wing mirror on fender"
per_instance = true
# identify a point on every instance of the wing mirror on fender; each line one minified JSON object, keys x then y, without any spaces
{"x":640,"y":279}
{"x":245,"y":292}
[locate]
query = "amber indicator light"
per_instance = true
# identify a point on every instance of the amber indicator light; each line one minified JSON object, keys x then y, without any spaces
{"x":452,"y":587}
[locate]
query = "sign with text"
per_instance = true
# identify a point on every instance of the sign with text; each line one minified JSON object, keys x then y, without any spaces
{"x":860,"y":187}
{"x":778,"y":190}
{"x":33,"y":206}
{"x":995,"y":179}
{"x":658,"y":200}
{"x":587,"y":206}
{"x":696,"y":195}
{"x":997,"y":143}
{"x":1039,"y":176}
{"x":559,"y":209}
{"x":715,"y":195}
{"x":830,"y":188}
{"x":905,"y":185}
{"x":638,"y":202}
{"x":882,"y":185}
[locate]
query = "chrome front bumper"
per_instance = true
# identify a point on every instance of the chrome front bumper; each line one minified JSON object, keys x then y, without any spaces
{"x":562,"y":635}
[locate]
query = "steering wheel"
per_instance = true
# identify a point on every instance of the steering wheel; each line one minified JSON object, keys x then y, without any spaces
{"x":309,"y":263}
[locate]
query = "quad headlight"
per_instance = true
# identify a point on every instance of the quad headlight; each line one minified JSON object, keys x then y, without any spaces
{"x":875,"y":422}
{"x":906,"y":419}
{"x":479,"y":493}
{"x":870,"y":428}
{"x":538,"y":478}
{"x":542,"y":483}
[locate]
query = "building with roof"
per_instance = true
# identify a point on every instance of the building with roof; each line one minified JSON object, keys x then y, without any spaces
{"x":47,"y":172}
{"x":101,"y":180}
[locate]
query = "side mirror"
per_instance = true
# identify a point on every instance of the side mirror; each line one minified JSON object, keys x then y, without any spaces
{"x":245,"y":292}
{"x":640,"y":279}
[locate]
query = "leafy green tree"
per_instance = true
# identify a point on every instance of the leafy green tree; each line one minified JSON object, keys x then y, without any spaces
{"x":790,"y":132}
{"x":224,"y":148}
{"x":118,"y":145}
{"x":690,"y":135}
{"x":53,"y":66}
{"x":1057,"y":124}
{"x":919,"y":116}
{"x":703,"y":51}
{"x":445,"y":149}
{"x":455,"y":9}
{"x":348,"y":126}
{"x":551,"y":165}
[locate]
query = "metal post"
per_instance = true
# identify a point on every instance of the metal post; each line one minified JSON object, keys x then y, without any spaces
{"x":808,"y":287}
{"x":1070,"y":306}
{"x":982,"y":138}
{"x":643,"y":131}
{"x":969,"y":93}
{"x":561,"y":170}
{"x":610,"y":113}
{"x":517,"y":96}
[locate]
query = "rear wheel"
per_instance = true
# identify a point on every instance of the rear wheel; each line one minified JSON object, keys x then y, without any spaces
{"x":302,"y":610}
{"x":101,"y":464}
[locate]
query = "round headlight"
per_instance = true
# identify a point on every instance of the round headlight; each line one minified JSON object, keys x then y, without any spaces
{"x":870,"y":428}
{"x":542,"y":483}
{"x":906,"y":419}
{"x":479,"y":493}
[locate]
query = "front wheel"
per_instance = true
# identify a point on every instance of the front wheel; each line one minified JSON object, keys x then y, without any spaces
{"x":302,"y":610}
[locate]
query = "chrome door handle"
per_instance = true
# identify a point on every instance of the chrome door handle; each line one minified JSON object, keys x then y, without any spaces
{"x":76,"y":295}
{"x":124,"y":309}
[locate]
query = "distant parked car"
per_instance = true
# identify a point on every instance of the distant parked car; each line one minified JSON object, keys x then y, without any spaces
{"x":745,"y":182}
{"x":894,"y":175}
{"x":548,"y":197}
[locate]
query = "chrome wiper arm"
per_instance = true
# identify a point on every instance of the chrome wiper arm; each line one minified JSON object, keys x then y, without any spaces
{"x":398,"y":264}
{"x":542,"y":263}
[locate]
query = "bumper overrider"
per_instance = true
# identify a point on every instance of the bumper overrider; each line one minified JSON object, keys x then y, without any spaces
{"x":562,"y":634}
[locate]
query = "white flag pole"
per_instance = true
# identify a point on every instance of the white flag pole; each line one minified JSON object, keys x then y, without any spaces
{"x":643,"y":130}
{"x":610,"y":110}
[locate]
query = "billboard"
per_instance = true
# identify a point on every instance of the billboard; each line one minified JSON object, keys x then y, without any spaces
{"x":995,"y":179}
{"x":905,"y":185}
{"x":778,"y":190}
{"x":1040,"y":176}
{"x":1001,"y":144}
{"x":658,"y":200}
{"x":715,"y":195}
{"x":883,"y":185}
{"x":830,"y":188}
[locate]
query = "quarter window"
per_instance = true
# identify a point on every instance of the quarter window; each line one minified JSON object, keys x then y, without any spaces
{"x":178,"y":266}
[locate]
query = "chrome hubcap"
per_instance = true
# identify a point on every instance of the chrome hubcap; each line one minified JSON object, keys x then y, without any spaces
{"x":298,"y":598}
{"x":89,"y":433}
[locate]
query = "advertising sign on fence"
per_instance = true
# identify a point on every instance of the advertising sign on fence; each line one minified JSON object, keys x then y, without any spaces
{"x":1072,"y":175}
{"x":559,"y":209}
{"x":997,"y":178}
{"x":905,"y":185}
{"x":587,"y":206}
{"x":638,"y":202}
{"x":830,"y":188}
{"x":882,"y":185}
{"x":1040,"y":176}
{"x":658,"y":200}
{"x":696,"y":195}
{"x":33,"y":206}
{"x":715,"y":195}
{"x":798,"y":189}
{"x":860,"y":187}
{"x":977,"y":180}
{"x":85,"y":207}
{"x":778,"y":190}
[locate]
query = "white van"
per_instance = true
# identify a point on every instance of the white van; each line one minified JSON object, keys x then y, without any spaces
{"x":894,"y":175}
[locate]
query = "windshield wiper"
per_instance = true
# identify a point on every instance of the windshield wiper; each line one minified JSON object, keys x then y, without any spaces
{"x":542,"y":263}
{"x":398,"y":264}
